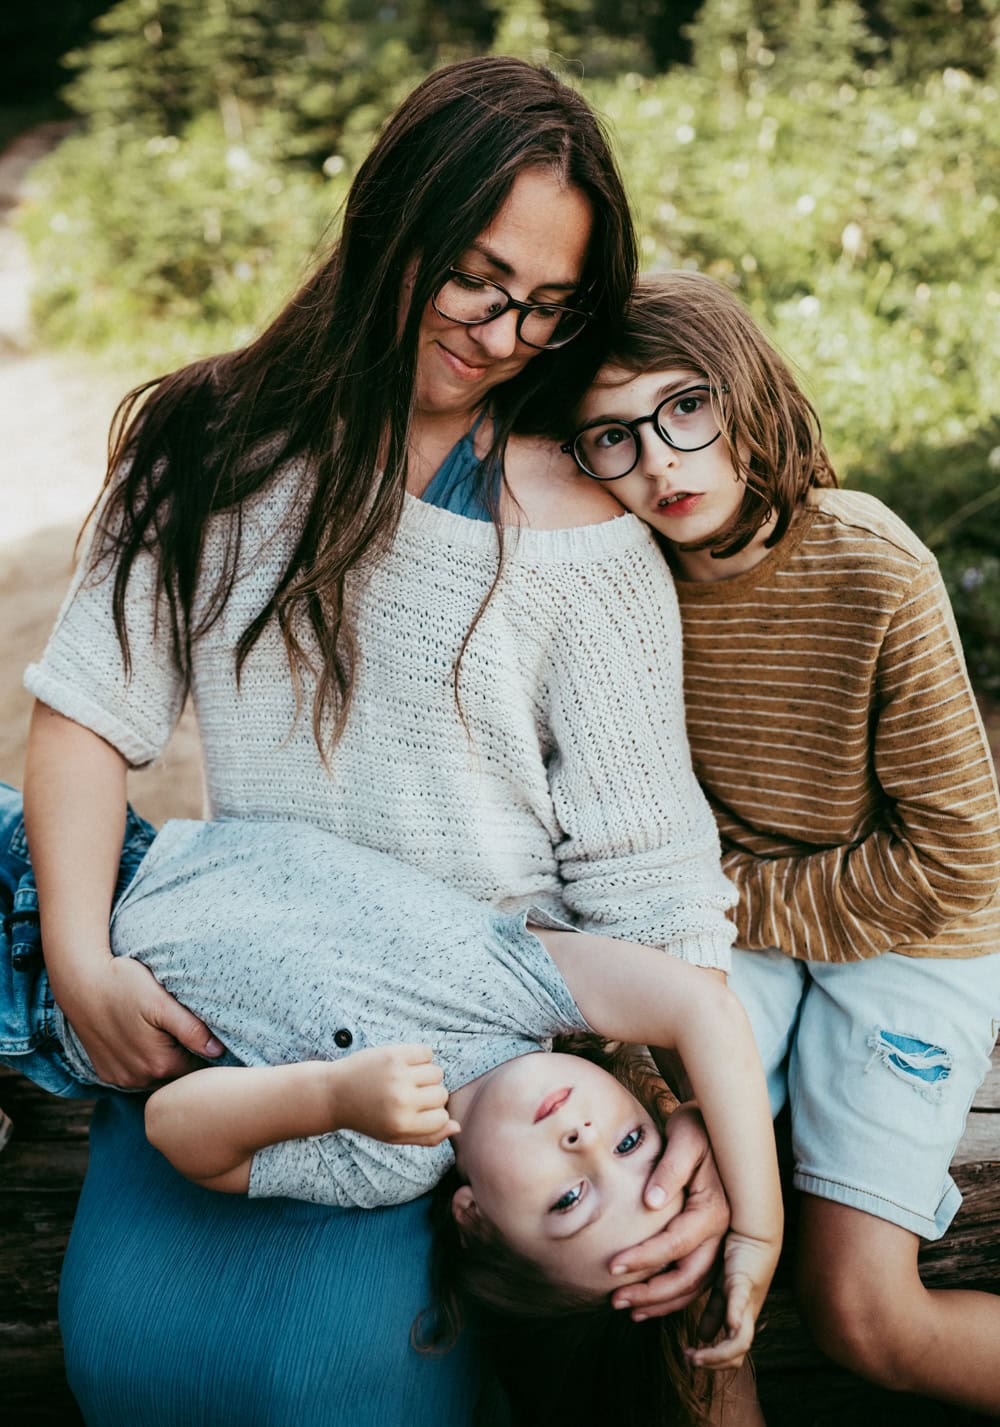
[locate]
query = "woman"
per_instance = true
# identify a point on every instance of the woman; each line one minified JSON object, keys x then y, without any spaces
{"x":260,"y":545}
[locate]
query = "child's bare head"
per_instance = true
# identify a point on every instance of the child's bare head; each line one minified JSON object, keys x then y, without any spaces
{"x":554,"y":1156}
{"x":558,"y":1329}
{"x":685,"y":321}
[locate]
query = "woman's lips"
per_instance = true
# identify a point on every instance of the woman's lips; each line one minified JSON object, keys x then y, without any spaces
{"x":465,"y":371}
{"x":552,"y":1101}
{"x":684,"y":506}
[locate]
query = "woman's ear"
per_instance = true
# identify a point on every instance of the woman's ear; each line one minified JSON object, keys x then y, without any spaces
{"x":464,"y":1208}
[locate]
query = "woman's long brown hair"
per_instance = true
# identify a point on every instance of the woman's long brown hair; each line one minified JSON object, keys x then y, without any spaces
{"x":331,"y":380}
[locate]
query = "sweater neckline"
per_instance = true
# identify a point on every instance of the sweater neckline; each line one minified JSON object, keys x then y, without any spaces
{"x":609,"y":537}
{"x":720,"y":591}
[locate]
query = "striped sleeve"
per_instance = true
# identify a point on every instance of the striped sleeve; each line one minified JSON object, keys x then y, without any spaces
{"x":935,"y":858}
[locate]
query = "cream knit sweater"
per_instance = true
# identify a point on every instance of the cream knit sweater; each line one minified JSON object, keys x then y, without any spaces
{"x":569,"y":787}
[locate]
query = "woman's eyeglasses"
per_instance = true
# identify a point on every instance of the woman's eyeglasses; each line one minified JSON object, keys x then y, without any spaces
{"x":470,"y":300}
{"x":608,"y":450}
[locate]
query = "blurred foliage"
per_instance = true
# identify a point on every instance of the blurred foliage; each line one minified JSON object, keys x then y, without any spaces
{"x":951,"y":496}
{"x":835,"y":162}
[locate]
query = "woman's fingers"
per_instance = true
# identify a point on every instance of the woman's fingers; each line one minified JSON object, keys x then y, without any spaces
{"x":185,"y":1027}
{"x":668,"y":1292}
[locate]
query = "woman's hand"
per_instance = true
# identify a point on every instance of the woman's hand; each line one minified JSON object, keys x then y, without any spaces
{"x":134,"y":1032}
{"x":394,"y":1093}
{"x":690,"y":1243}
{"x":748,"y":1266}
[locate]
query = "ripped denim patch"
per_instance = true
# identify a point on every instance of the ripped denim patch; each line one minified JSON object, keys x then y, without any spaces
{"x":925,"y":1067}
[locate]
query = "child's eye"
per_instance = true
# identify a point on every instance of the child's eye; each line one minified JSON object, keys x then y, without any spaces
{"x":632,"y":1141}
{"x":612,"y":436}
{"x":688,"y":405}
{"x":568,"y":1200}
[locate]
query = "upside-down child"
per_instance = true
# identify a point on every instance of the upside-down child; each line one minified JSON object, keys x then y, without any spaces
{"x":387,"y":1025}
{"x":834,"y":730}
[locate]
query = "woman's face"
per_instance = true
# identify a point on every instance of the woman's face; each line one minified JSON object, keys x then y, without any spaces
{"x":557,"y":1154}
{"x":535,"y":247}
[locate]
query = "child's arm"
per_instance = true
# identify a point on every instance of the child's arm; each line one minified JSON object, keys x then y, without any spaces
{"x":210,"y":1124}
{"x":933,"y":860}
{"x":635,"y":993}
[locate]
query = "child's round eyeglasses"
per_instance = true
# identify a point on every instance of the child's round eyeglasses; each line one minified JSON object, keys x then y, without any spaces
{"x":608,"y":450}
{"x":470,"y":300}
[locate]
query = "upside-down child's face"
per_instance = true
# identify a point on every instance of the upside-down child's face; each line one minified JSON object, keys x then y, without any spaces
{"x":557,"y":1154}
{"x":687,"y":495}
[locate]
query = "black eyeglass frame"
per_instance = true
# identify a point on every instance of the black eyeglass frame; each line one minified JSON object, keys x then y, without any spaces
{"x":569,"y":448}
{"x":521,"y":308}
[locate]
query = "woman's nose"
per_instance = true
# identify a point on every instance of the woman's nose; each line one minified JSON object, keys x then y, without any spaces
{"x":498,"y":337}
{"x":578,"y":1137}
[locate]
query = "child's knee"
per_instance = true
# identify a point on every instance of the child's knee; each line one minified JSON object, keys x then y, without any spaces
{"x":859,"y":1291}
{"x":868,"y":1328}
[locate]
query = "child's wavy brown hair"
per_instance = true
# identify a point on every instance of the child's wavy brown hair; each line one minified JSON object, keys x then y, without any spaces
{"x":685,"y":319}
{"x":562,"y":1355}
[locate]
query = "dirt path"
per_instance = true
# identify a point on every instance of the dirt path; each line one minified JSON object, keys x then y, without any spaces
{"x":54,"y":414}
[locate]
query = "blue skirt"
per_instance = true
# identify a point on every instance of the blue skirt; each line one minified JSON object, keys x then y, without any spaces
{"x":181,"y":1307}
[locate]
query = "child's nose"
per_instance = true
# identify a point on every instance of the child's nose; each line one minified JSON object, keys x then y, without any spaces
{"x":658,"y":456}
{"x":578,"y":1137}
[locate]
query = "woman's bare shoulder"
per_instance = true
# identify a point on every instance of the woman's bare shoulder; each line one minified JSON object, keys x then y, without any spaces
{"x":548,"y":491}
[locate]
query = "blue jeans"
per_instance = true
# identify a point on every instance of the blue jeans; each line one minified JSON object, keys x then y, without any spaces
{"x":28,"y":1041}
{"x":879,"y":1060}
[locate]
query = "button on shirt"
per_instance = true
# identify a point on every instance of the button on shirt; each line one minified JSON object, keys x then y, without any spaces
{"x":293,"y":944}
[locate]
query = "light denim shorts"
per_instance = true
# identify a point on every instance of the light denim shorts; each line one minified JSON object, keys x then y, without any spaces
{"x":879,"y":1061}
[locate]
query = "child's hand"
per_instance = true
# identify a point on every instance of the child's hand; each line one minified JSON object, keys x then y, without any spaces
{"x":747,"y":1269}
{"x":394,"y":1093}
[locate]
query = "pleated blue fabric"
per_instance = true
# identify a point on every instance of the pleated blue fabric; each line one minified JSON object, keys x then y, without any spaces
{"x":181,"y":1307}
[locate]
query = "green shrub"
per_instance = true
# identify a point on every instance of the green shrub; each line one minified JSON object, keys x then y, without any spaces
{"x":950,"y":495}
{"x":165,"y":247}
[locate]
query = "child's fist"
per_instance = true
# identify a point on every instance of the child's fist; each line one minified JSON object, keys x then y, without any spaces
{"x":394,"y":1093}
{"x":748,"y":1266}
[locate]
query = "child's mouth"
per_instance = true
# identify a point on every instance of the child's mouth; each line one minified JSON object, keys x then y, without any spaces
{"x":680,"y":504}
{"x":551,"y":1103}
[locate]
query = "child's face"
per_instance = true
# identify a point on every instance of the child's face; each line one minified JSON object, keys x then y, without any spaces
{"x":685,"y":495}
{"x":557,"y":1154}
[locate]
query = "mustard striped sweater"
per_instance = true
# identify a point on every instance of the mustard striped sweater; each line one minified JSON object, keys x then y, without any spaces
{"x":834,"y":729}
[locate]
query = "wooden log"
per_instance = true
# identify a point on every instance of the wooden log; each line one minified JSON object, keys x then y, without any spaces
{"x":988,"y":1094}
{"x":41,"y":1170}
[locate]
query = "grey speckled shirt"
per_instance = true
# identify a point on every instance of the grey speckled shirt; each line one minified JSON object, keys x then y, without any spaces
{"x":293,"y":944}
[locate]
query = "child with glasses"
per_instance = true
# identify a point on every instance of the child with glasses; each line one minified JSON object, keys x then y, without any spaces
{"x":834,"y":730}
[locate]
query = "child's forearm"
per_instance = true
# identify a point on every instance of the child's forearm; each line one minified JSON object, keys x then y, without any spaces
{"x":716,"y":1045}
{"x":668,"y":1061}
{"x":211,"y":1123}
